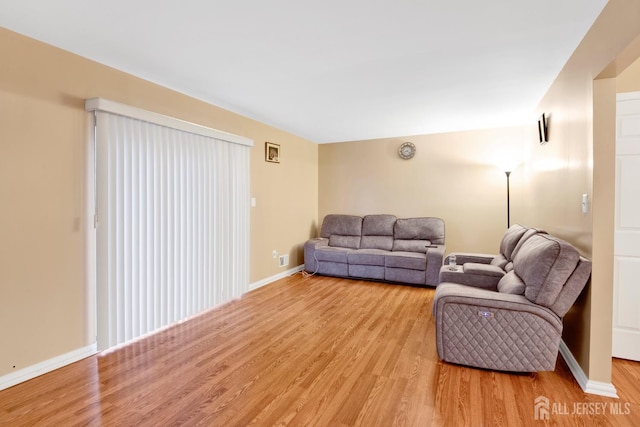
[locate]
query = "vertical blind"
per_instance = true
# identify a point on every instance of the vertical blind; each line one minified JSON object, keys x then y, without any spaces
{"x":172,"y":225}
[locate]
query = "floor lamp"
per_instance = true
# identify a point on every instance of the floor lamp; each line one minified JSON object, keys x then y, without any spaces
{"x":508,"y":210}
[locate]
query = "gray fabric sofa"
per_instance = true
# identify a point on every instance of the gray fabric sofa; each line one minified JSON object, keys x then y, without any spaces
{"x":518,"y":325}
{"x":378,"y":247}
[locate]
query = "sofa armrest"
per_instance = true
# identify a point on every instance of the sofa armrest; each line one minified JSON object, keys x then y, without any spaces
{"x":482,"y":269}
{"x":310,"y":246}
{"x":463,"y":257}
{"x":435,"y":256}
{"x":477,"y":275}
{"x":493,"y":330}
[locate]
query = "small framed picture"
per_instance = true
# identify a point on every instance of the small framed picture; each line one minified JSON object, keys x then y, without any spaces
{"x":272,"y":152}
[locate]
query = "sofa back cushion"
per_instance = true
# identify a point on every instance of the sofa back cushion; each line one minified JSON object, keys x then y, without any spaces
{"x":339,"y":241}
{"x":510,"y":240}
{"x":377,"y":232}
{"x":545,"y":263}
{"x":342,"y":230}
{"x":415,"y":234}
{"x":345,"y":225}
{"x":427,"y":229}
{"x":530,"y":232}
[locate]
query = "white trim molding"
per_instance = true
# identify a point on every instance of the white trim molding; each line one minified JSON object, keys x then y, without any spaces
{"x":588,"y":386}
{"x":263,"y":282}
{"x":101,"y":104}
{"x":625,"y":96}
{"x":45,"y":366}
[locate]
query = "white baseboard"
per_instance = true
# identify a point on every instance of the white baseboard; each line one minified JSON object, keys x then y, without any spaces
{"x":260,"y":283}
{"x":45,"y":366}
{"x":588,"y":386}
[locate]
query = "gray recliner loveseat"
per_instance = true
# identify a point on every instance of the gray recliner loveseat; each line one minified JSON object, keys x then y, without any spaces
{"x":485,"y":270}
{"x":516,"y":324}
{"x":378,"y":247}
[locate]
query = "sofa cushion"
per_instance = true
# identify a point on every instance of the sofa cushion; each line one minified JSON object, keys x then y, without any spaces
{"x":511,"y":284}
{"x":408,"y":260}
{"x":544,"y":263}
{"x":431,"y":229}
{"x":332,"y":254}
{"x":343,"y":225}
{"x":376,"y":242}
{"x":367,"y":257}
{"x":351,"y":242}
{"x":378,"y":225}
{"x":377,"y":232}
{"x":411,"y":245}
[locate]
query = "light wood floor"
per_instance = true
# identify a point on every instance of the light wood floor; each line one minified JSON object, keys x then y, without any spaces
{"x":317,"y":351}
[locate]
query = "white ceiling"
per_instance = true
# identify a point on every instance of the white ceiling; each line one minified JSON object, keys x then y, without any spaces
{"x":330,"y":70}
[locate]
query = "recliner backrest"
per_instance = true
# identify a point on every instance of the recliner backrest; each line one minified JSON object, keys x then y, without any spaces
{"x":510,"y":240}
{"x":545,"y":264}
{"x":508,"y":243}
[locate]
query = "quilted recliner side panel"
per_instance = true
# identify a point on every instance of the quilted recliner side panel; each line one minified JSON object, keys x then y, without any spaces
{"x":484,"y":329}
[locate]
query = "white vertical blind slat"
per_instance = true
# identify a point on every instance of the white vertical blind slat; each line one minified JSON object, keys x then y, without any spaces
{"x":173,"y":226}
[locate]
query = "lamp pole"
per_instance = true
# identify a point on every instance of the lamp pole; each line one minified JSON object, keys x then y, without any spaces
{"x":508,"y":210}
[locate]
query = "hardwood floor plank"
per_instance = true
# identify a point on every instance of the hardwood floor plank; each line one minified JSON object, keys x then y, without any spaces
{"x":317,"y":351}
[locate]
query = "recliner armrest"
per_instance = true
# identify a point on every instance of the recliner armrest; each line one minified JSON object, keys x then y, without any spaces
{"x":464,"y":257}
{"x":473,"y":274}
{"x":482,"y":269}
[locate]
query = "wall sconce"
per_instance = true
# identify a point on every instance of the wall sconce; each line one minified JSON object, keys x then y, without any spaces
{"x":543,"y":130}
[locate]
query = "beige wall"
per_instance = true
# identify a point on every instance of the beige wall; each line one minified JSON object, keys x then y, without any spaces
{"x":629,"y":79}
{"x":43,"y":294}
{"x":454,"y":176}
{"x":577,"y":160}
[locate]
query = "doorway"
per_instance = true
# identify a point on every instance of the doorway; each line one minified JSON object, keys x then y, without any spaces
{"x":626,"y":289}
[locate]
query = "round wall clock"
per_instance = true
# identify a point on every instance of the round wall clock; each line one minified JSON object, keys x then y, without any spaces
{"x":407,"y":150}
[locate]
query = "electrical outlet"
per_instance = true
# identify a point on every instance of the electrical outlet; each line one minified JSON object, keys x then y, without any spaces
{"x":274,"y":254}
{"x":283,"y":261}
